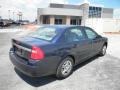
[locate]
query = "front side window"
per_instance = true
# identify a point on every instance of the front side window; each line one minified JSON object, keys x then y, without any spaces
{"x":74,"y":34}
{"x":90,"y":34}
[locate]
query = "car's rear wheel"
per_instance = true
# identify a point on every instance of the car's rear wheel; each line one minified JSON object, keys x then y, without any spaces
{"x":65,"y":68}
{"x":103,"y":50}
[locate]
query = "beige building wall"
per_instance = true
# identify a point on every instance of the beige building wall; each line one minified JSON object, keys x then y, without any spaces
{"x":52,"y":20}
{"x":64,"y":20}
{"x":85,"y":9}
{"x":38,"y":19}
{"x":68,"y":20}
{"x":41,"y":19}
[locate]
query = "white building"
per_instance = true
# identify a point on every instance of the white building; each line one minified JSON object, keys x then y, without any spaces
{"x":97,"y":17}
{"x":71,"y":14}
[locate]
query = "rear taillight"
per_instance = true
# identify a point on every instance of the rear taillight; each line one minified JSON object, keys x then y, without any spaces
{"x":37,"y":53}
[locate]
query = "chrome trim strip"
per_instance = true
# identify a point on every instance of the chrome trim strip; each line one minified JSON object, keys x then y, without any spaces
{"x":21,"y":47}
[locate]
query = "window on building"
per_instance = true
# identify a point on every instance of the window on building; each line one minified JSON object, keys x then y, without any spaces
{"x":46,"y":20}
{"x":58,"y":21}
{"x":75,"y":21}
{"x":95,"y":12}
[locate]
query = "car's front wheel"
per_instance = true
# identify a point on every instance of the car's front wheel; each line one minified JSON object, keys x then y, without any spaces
{"x":103,"y":50}
{"x":65,"y":68}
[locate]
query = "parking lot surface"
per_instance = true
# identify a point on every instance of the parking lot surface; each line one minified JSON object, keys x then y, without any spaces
{"x":98,"y":73}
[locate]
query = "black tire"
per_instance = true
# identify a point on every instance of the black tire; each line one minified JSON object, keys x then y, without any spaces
{"x":103,"y":50}
{"x":60,"y":70}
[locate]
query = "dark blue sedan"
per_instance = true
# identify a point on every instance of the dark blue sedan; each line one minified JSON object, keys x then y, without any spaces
{"x":55,"y":50}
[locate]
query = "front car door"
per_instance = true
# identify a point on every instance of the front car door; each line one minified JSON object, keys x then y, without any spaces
{"x":75,"y":39}
{"x":95,"y":39}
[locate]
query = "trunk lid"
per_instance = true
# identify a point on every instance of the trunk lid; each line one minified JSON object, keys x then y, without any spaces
{"x":23,"y":46}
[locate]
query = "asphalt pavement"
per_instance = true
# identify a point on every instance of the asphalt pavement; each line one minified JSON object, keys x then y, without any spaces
{"x":98,"y":73}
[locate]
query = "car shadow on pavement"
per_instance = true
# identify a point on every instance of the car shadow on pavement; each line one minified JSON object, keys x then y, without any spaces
{"x":40,"y":81}
{"x":35,"y":81}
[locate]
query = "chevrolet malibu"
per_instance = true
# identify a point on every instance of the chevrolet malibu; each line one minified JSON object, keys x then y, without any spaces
{"x":55,"y":50}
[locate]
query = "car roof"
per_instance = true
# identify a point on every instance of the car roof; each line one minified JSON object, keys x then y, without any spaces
{"x":62,"y":26}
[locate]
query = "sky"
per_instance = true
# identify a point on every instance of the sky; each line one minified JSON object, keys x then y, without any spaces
{"x":29,"y":7}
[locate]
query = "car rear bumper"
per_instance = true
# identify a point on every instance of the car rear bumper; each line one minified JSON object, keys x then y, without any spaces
{"x":33,"y":70}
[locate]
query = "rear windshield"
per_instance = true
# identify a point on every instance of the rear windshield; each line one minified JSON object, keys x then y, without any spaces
{"x":45,"y":33}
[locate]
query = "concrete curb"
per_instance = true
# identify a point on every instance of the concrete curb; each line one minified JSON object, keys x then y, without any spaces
{"x":112,"y":32}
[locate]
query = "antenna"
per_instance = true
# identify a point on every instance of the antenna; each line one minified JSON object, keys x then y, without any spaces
{"x":0,"y":12}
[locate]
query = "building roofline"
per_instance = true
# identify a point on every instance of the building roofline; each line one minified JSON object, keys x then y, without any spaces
{"x":64,"y":4}
{"x":94,"y":5}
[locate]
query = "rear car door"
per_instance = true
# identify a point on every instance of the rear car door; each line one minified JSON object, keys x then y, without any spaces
{"x":95,"y":39}
{"x":76,"y":40}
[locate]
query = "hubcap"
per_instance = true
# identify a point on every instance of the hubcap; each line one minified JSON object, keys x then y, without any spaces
{"x":66,"y":68}
{"x":104,"y":50}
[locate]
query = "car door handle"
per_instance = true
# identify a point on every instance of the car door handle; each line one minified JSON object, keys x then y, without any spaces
{"x":95,"y":41}
{"x":75,"y":45}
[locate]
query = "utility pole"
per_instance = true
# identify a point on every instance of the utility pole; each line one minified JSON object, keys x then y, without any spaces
{"x":16,"y":16}
{"x":13,"y":16}
{"x":20,"y":13}
{"x":9,"y":14}
{"x":20,"y":16}
{"x":0,"y":12}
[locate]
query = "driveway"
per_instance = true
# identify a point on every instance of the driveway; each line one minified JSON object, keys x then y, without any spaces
{"x":98,"y":73}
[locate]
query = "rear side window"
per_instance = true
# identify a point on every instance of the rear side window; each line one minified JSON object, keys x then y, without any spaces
{"x":90,"y":33}
{"x":74,"y":34}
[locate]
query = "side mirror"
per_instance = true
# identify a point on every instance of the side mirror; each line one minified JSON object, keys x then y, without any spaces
{"x":98,"y":36}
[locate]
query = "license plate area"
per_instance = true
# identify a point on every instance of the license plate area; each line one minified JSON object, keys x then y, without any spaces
{"x":18,"y":51}
{"x":21,"y":51}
